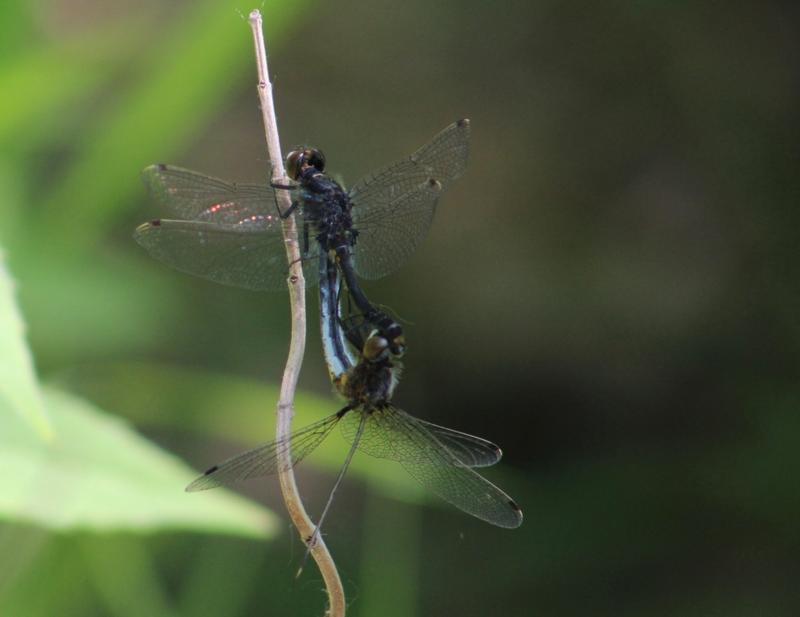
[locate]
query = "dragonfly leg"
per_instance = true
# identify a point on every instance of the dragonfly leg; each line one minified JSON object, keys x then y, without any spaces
{"x":311,"y":541}
{"x":299,"y":260}
{"x":304,"y":248}
{"x":288,"y":213}
{"x":305,"y":238}
{"x":285,"y":187}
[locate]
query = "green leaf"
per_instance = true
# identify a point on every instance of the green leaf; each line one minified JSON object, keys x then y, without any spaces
{"x":98,"y":474}
{"x":19,"y":390}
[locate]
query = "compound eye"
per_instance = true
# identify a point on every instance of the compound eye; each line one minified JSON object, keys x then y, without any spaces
{"x":294,"y":163}
{"x":316,"y":159}
{"x":375,"y":348}
{"x":399,"y":346}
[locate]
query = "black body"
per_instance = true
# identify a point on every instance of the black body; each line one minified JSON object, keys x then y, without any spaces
{"x":326,"y":209}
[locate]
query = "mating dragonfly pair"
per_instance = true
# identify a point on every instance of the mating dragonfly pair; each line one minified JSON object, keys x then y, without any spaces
{"x":232,"y":234}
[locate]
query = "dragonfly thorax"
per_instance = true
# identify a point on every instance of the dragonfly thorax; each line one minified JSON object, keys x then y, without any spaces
{"x":370,"y":385}
{"x":326,"y":204}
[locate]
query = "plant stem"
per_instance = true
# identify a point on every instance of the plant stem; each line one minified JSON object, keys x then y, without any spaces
{"x":296,"y":282}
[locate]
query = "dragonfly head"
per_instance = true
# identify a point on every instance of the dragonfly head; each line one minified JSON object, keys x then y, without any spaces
{"x":376,"y":348}
{"x":297,"y":161}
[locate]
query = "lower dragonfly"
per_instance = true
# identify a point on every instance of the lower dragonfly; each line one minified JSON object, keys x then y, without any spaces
{"x":441,"y":459}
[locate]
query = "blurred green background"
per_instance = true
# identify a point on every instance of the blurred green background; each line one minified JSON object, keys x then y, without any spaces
{"x":610,"y":293}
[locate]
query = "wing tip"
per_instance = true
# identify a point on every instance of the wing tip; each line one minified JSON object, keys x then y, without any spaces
{"x":145,"y":227}
{"x":202,"y":483}
{"x":517,"y":512}
{"x":151,"y":178}
{"x":434,"y":185}
{"x":155,"y":168}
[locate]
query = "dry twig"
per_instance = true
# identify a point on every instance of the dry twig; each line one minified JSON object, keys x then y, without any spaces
{"x":291,"y":496}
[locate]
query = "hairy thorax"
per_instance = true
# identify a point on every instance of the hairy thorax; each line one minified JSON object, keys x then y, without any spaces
{"x":370,"y":384}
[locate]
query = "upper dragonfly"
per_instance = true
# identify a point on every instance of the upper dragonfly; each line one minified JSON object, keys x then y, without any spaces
{"x":232,"y":233}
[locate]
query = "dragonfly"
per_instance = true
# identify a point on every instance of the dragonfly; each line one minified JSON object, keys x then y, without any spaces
{"x":441,"y":459}
{"x":232,"y":233}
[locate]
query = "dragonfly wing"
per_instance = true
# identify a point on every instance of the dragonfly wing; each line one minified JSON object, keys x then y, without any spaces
{"x":393,"y":209}
{"x":266,"y":459}
{"x":376,"y":439}
{"x":249,"y":254}
{"x":380,"y":435}
{"x":196,"y":197}
{"x":387,"y":239}
{"x":470,"y":450}
{"x":392,"y":433}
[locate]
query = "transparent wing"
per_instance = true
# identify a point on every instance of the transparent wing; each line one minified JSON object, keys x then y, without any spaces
{"x":375,"y":439}
{"x":250,"y":254}
{"x":394,"y":434}
{"x":229,"y":233}
{"x":467,"y":450}
{"x":392,"y":209}
{"x":387,"y":239}
{"x":194,"y":196}
{"x":267,"y":459}
{"x":470,"y":450}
